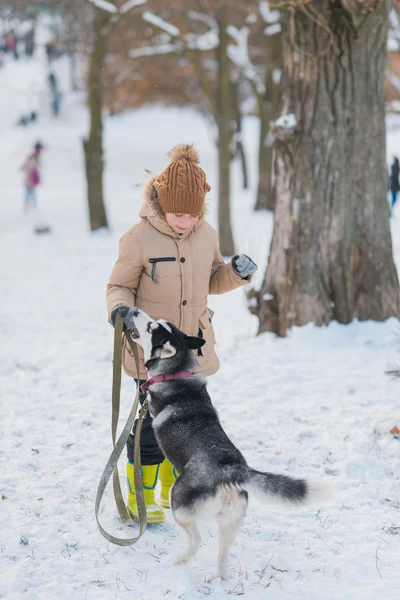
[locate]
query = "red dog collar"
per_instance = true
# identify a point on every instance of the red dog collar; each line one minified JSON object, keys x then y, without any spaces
{"x":160,"y":378}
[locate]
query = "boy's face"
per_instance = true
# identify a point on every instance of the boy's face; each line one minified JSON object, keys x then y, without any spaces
{"x":181,"y":222}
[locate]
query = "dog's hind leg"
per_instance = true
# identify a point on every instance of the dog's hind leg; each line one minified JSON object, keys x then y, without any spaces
{"x":229,"y":522}
{"x":194,"y":541}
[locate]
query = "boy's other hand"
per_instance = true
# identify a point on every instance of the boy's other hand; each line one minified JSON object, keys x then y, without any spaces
{"x":243,"y":266}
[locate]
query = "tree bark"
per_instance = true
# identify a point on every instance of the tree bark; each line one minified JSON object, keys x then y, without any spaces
{"x":331,"y":251}
{"x":93,"y":145}
{"x":239,"y":145}
{"x":223,"y":120}
{"x":265,"y":193}
{"x":72,"y":68}
{"x":268,"y":110}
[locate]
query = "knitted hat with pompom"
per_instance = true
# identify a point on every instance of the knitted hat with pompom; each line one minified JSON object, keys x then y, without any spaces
{"x":182,"y":186}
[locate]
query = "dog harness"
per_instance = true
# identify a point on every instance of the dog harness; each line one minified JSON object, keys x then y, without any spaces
{"x":160,"y":378}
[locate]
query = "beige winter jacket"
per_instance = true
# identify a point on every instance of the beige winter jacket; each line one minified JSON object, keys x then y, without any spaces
{"x":169,"y":276}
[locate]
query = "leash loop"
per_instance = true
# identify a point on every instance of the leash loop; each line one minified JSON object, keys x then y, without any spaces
{"x":111,"y":467}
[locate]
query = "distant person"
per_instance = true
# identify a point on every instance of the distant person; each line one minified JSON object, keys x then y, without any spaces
{"x":32,"y":176}
{"x":56,"y":96}
{"x":11,"y":44}
{"x":52,"y":50}
{"x":56,"y":103}
{"x":394,"y":180}
{"x":52,"y":79}
{"x":30,"y":42}
{"x":24,"y":120}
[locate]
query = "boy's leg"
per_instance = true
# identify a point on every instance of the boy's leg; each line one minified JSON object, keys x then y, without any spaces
{"x":151,"y":457}
{"x":150,"y":453}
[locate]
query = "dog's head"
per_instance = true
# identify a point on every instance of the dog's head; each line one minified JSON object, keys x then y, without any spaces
{"x":166,"y":348}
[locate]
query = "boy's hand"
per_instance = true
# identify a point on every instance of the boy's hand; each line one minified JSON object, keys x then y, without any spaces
{"x":125,"y":313}
{"x":243,"y":266}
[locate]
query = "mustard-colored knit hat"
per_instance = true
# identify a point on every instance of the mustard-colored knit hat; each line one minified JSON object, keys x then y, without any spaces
{"x":182,"y":186}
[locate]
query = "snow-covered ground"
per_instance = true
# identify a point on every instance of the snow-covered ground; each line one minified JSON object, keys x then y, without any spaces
{"x":314,"y":404}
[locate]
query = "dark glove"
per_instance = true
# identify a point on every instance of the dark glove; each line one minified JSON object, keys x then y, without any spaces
{"x":243,"y":266}
{"x":124,"y":311}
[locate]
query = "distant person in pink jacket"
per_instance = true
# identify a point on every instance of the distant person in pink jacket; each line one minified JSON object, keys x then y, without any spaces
{"x":32,"y":176}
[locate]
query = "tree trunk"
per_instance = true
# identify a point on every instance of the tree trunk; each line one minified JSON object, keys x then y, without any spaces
{"x":93,"y":145}
{"x":265,"y":195}
{"x":72,"y":68}
{"x":240,"y":151}
{"x":331,"y":251}
{"x":223,"y":119}
{"x":268,"y":109}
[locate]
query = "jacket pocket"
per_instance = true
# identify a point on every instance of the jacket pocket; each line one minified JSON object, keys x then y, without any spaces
{"x":154,"y":262}
{"x":207,"y":330}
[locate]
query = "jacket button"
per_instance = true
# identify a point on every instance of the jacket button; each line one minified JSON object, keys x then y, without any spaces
{"x":184,"y":302}
{"x":183,"y":259}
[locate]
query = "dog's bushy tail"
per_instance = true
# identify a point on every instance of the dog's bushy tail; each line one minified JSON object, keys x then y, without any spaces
{"x":281,"y":489}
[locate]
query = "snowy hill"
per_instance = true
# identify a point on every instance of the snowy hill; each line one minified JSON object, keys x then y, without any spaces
{"x":314,"y":404}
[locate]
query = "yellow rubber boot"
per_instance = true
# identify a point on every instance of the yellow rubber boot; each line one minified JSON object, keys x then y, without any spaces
{"x":168,"y":475}
{"x":149,"y":479}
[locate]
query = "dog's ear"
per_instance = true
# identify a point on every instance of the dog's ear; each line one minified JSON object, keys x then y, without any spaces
{"x":194,"y":342}
{"x":168,"y":350}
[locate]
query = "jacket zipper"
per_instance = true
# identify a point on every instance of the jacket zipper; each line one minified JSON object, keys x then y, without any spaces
{"x":154,"y":262}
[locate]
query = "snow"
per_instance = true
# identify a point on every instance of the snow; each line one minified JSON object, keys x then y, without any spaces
{"x":317,"y":403}
{"x":205,"y":41}
{"x":269,"y":16}
{"x":161,"y":23}
{"x":153,"y":50}
{"x":104,"y":5}
{"x":273,"y":29}
{"x":286,"y":121}
{"x":130,"y":4}
{"x":239,"y":54}
{"x":394,"y":80}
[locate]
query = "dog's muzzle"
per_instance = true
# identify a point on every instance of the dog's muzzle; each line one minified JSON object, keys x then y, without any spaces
{"x":134,"y":333}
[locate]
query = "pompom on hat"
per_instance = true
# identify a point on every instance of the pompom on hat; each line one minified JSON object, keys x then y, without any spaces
{"x":182,"y":186}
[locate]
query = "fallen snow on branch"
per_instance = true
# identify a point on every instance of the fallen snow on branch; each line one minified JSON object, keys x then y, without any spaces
{"x":394,"y":80}
{"x":269,"y":16}
{"x":125,"y":8}
{"x":239,"y":54}
{"x":206,"y":41}
{"x":394,"y":19}
{"x":272,"y":29}
{"x":286,"y":122}
{"x":161,"y":24}
{"x":203,"y":17}
{"x":154,"y":50}
{"x":104,"y":5}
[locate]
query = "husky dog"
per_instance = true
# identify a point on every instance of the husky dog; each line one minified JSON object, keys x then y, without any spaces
{"x":214,"y":479}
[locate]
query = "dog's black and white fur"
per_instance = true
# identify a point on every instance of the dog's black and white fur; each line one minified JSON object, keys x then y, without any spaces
{"x":214,"y":479}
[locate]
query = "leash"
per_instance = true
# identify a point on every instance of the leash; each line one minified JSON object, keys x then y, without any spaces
{"x":111,"y":467}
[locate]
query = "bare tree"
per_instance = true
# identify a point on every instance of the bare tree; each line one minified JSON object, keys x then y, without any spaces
{"x":331,"y":251}
{"x":106,"y":15}
{"x":258,"y":62}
